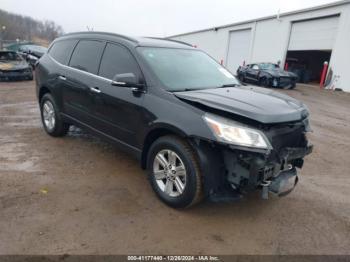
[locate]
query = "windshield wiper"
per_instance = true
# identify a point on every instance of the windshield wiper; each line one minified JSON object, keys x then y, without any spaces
{"x":230,"y":85}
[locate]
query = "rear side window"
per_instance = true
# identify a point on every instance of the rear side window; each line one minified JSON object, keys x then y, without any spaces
{"x":62,"y":50}
{"x":118,"y":60}
{"x":87,"y":56}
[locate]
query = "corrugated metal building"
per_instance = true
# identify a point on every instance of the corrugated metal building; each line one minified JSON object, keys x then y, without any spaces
{"x":303,"y":39}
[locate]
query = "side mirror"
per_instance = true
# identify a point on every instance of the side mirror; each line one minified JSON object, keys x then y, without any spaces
{"x":126,"y":80}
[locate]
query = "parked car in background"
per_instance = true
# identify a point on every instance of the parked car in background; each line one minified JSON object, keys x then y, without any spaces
{"x":14,"y":67}
{"x":267,"y":75}
{"x":189,"y":121}
{"x":32,"y":53}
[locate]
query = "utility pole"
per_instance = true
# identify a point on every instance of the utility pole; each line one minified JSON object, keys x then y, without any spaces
{"x":2,"y":30}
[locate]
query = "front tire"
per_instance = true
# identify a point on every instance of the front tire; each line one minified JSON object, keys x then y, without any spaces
{"x":264,"y":82}
{"x":292,"y":86}
{"x":51,"y":118}
{"x":174,"y":172}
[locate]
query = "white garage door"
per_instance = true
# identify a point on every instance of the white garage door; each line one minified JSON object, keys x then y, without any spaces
{"x":238,"y":49}
{"x":318,"y":34}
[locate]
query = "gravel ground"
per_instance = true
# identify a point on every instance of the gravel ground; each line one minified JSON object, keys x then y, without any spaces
{"x":79,"y":195}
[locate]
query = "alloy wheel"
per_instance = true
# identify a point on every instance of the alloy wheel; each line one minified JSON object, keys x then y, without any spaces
{"x":49,"y":115}
{"x":169,"y":173}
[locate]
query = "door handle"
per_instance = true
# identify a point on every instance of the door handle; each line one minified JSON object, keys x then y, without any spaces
{"x":62,"y":78}
{"x":95,"y":90}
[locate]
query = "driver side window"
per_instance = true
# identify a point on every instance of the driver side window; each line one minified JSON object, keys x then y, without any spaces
{"x":255,"y":67}
{"x":118,"y":60}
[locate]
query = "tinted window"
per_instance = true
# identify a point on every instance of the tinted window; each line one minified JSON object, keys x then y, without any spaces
{"x":268,"y":66}
{"x":62,"y":50}
{"x":87,"y":56}
{"x":117,"y":60}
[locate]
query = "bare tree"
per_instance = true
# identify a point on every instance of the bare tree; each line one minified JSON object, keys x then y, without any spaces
{"x":27,"y":28}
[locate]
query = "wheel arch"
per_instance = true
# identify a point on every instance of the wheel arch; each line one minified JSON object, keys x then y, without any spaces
{"x":42,"y":91}
{"x":153,"y":135}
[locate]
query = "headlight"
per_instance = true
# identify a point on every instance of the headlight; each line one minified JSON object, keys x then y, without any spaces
{"x":231,"y":132}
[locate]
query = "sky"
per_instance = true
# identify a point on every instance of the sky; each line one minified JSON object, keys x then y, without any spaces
{"x":150,"y":17}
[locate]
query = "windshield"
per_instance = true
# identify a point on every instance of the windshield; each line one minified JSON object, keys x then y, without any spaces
{"x":184,"y":69}
{"x":9,"y":56}
{"x":268,"y":66}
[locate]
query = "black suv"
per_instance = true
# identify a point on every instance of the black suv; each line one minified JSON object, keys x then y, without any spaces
{"x":194,"y":127}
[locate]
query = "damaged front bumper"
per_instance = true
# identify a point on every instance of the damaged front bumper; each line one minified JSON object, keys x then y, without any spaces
{"x":281,"y":185}
{"x":230,"y":172}
{"x":273,"y":172}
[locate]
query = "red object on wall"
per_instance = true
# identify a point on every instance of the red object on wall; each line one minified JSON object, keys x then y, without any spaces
{"x":286,"y":66}
{"x":324,"y":73}
{"x":222,"y":62}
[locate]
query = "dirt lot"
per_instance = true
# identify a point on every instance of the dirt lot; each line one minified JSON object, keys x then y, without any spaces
{"x":78,"y":195}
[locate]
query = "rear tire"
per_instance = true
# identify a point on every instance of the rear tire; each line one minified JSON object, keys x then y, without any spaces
{"x":51,"y":117}
{"x":174,"y":172}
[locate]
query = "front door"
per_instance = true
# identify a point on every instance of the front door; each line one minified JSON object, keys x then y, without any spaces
{"x":117,"y":110}
{"x":253,"y":73}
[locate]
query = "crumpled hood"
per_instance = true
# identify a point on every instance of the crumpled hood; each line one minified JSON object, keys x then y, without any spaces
{"x":280,"y":73}
{"x":13,"y":65}
{"x":259,"y":104}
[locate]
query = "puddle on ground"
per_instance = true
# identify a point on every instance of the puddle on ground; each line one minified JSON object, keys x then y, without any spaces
{"x":21,"y":115}
{"x":13,"y":156}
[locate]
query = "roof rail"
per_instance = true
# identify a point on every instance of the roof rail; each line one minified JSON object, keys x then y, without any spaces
{"x":103,"y":33}
{"x":171,"y":40}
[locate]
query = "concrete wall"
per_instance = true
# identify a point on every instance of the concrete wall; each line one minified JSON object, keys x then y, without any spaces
{"x":270,"y":39}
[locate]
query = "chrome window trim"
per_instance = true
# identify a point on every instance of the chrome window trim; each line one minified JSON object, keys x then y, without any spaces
{"x":82,"y":71}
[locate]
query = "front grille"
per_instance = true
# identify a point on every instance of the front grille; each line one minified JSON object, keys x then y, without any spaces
{"x":287,"y":137}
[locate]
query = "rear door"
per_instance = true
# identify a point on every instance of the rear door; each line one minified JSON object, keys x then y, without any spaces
{"x":60,"y":53}
{"x":117,"y":110}
{"x":80,"y":79}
